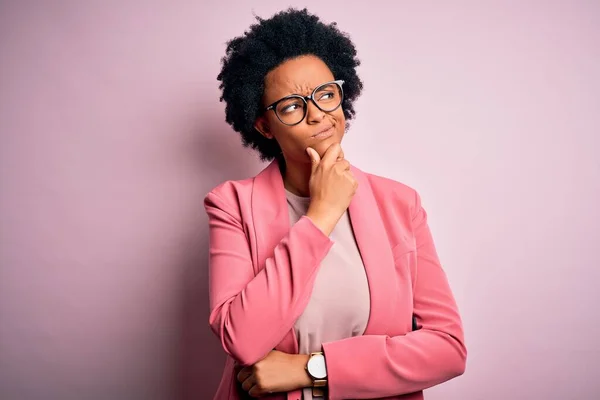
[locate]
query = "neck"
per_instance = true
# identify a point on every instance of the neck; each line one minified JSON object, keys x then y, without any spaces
{"x":296,"y":177}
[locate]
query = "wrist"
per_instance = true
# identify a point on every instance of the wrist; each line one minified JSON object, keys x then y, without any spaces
{"x":316,"y":368}
{"x":323,"y":219}
{"x":304,"y":379}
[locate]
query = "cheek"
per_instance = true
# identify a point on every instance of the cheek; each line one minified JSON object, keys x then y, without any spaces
{"x":341,"y":127}
{"x":290,"y":138}
{"x":340,"y":122}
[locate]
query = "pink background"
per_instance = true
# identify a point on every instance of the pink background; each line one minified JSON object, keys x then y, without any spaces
{"x":112,"y":133}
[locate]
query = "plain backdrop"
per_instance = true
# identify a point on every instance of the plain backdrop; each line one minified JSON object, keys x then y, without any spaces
{"x":112,"y":133}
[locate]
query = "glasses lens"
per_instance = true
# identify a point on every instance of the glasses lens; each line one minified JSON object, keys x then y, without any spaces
{"x":328,"y":97}
{"x":291,"y":111}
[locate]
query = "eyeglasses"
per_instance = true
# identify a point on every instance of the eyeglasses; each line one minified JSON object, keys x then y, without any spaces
{"x":292,"y":109}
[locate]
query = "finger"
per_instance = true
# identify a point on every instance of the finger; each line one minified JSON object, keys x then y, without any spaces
{"x":331,"y":154}
{"x":340,"y":156}
{"x":249,"y":382}
{"x":314,"y":158}
{"x":244,"y":374}
{"x":344,"y":165}
{"x":352,"y":179}
{"x":255,"y":391}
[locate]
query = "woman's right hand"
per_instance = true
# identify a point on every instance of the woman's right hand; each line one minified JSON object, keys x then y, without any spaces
{"x":331,"y":186}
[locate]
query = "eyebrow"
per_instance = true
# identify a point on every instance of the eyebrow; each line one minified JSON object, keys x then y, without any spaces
{"x":310,"y":91}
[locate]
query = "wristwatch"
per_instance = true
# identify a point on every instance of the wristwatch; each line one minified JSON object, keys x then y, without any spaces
{"x":317,"y":370}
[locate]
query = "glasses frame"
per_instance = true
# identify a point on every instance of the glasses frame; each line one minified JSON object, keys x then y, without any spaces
{"x":305,"y":99}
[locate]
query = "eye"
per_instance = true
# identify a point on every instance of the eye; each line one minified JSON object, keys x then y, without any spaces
{"x":327,"y":96}
{"x":290,"y":106}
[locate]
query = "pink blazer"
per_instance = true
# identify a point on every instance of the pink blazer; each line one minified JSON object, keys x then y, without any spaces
{"x":261,"y":274}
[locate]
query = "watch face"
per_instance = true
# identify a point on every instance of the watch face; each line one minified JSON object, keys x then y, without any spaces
{"x":316,"y":366}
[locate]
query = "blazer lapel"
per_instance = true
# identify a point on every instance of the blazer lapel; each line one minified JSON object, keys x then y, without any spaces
{"x":271,"y":224}
{"x":269,"y":212}
{"x":376,"y":253}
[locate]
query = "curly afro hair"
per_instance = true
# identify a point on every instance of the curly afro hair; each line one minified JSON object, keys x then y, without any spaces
{"x":267,"y":44}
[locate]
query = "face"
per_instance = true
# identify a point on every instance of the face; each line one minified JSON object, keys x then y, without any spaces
{"x":300,"y":76}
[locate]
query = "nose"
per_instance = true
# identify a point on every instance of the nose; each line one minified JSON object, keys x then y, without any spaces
{"x":313,"y":113}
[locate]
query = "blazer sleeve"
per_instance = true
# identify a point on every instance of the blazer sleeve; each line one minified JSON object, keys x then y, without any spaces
{"x":252,"y":314}
{"x":373,"y":366}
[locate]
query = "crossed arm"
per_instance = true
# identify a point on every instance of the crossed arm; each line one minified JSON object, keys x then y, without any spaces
{"x":252,"y":313}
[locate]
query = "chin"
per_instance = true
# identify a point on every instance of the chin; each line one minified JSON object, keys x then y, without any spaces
{"x":323,"y":145}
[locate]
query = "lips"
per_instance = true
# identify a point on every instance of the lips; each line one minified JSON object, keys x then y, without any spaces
{"x":324,"y":132}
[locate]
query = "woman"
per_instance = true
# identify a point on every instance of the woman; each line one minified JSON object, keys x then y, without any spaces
{"x":317,"y":269}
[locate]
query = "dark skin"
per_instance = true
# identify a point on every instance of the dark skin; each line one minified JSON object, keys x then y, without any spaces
{"x":277,"y":372}
{"x":315,"y":167}
{"x":300,"y":76}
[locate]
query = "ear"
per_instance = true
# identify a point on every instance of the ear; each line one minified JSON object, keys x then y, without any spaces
{"x":262,"y":126}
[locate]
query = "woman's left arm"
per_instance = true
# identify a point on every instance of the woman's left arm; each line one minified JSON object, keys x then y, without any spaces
{"x":371,"y":366}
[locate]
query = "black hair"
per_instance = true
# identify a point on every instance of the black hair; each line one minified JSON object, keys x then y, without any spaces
{"x":268,"y":43}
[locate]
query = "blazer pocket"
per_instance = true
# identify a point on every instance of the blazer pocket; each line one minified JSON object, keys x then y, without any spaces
{"x":405,"y":258}
{"x":402,"y":248}
{"x":404,"y":254}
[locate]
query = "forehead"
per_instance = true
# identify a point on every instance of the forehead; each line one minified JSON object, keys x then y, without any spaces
{"x":296,"y":76}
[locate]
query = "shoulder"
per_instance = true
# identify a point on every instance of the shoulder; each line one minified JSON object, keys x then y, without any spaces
{"x":230,"y":188}
{"x":388,"y":191}
{"x":229,"y":194}
{"x":236,"y":193}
